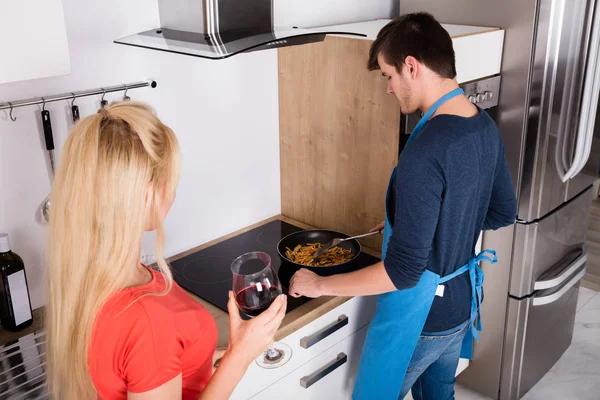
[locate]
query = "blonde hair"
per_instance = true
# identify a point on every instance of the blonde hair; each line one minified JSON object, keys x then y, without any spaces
{"x":115,"y":170}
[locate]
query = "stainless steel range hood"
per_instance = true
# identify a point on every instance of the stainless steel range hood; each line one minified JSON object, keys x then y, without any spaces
{"x":218,"y":29}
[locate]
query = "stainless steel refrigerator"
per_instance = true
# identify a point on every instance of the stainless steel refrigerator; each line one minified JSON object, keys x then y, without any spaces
{"x":547,"y":114}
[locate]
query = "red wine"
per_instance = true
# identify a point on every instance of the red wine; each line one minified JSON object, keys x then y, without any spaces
{"x":253,"y":301}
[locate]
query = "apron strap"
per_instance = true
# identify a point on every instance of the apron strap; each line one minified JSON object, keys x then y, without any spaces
{"x":425,"y":118}
{"x":476,"y":278}
{"x":456,"y":273}
{"x":480,"y":257}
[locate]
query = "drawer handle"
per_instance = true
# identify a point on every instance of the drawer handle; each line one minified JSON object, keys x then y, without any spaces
{"x":540,"y":301}
{"x":309,"y":380}
{"x":308,"y":341}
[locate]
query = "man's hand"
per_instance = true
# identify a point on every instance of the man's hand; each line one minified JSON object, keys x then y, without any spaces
{"x":306,"y":283}
{"x":378,"y":228}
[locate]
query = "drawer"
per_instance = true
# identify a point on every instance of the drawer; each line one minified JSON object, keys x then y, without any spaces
{"x":329,"y":376}
{"x":337,"y":324}
{"x":309,"y":342}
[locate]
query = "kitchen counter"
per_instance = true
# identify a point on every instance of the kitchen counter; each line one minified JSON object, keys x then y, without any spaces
{"x":372,"y":28}
{"x":478,"y":49}
{"x":37,"y":325}
{"x":293,"y":320}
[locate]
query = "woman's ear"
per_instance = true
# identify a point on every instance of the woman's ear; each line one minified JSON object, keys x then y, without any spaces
{"x":167,"y":198}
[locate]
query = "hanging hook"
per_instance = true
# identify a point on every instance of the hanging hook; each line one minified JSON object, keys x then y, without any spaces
{"x":125,"y":97}
{"x":13,"y":119}
{"x":103,"y":103}
{"x":43,"y":104}
{"x":73,"y":101}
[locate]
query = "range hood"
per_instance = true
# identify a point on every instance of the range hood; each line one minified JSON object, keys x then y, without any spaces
{"x":218,"y":29}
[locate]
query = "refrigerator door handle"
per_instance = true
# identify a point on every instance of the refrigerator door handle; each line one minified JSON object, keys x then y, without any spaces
{"x":589,"y":104}
{"x":571,"y":94}
{"x":555,"y":281}
{"x":540,"y":301}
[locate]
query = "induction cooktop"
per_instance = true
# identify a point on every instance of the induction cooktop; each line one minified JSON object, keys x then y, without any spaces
{"x":207,"y":272}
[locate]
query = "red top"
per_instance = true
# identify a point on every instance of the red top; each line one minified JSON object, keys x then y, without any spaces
{"x":151,"y":342}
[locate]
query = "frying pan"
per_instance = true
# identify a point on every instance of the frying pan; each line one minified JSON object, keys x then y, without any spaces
{"x":288,"y":267}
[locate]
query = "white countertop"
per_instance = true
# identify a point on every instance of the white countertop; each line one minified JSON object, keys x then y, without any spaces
{"x":372,"y":28}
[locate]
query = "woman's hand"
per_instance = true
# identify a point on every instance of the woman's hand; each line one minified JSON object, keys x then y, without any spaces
{"x":217,"y":356}
{"x":249,"y":339}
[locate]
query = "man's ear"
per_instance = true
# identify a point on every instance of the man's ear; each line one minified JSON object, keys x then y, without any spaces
{"x":413,"y":67}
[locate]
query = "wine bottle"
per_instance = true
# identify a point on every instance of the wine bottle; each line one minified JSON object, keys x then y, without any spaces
{"x":15,"y":305}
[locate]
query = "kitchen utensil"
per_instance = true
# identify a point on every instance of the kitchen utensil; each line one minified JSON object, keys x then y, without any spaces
{"x":49,"y":138}
{"x":303,"y":238}
{"x":46,"y":208}
{"x":74,"y":110}
{"x":337,"y":241}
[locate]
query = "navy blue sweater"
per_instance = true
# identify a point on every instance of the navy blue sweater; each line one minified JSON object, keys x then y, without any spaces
{"x":451,"y":182}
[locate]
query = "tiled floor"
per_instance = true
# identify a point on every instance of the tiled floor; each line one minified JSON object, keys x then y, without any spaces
{"x":576,"y":376}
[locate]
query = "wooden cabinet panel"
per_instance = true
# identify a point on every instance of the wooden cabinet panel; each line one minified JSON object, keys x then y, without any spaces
{"x":339,"y":134}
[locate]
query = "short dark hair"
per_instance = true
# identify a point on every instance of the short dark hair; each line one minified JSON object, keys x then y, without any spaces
{"x":418,"y":35}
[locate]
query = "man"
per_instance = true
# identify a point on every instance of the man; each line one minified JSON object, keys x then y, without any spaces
{"x":451,"y":182}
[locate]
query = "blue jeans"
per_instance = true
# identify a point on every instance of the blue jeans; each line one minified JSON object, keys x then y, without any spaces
{"x":433,"y":365}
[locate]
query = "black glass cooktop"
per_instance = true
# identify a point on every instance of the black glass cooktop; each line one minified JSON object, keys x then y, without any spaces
{"x":207,"y":273}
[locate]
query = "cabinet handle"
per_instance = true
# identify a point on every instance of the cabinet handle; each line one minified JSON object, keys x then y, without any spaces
{"x":309,"y":380}
{"x":308,"y":341}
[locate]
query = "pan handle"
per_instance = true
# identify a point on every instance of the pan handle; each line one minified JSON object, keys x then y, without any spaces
{"x":362,"y":236}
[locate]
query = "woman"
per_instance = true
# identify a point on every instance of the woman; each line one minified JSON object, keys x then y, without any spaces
{"x":117,"y":329}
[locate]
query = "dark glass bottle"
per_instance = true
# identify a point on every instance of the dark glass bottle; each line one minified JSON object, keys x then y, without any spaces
{"x":15,"y":304}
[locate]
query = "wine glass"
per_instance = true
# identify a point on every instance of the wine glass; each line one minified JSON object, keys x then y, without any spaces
{"x":256,"y":285}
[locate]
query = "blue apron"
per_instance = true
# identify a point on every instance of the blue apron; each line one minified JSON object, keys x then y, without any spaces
{"x":401,"y":314}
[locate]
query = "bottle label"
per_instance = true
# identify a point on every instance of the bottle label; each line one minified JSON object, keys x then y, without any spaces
{"x":17,"y":288}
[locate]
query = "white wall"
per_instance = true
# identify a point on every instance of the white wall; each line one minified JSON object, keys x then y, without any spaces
{"x":312,"y":13}
{"x":225,"y":114}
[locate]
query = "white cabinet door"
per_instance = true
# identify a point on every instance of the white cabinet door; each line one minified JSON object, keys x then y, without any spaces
{"x":329,"y":376}
{"x":309,"y":342}
{"x":34,"y":41}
